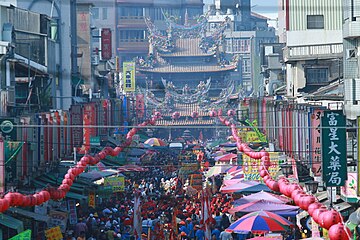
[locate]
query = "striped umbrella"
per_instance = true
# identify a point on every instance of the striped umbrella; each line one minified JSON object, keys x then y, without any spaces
{"x":257,"y":224}
{"x":155,"y":142}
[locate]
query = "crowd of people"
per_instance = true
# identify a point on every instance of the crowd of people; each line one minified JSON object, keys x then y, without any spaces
{"x":167,"y":211}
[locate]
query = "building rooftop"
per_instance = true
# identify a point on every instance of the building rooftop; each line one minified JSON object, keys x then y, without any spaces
{"x":187,"y":47}
{"x":187,"y":68}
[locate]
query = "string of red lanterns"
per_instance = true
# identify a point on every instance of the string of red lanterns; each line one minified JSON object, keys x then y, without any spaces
{"x":329,"y":219}
{"x":16,"y":199}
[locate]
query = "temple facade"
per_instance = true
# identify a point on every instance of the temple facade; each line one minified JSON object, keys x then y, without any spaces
{"x":187,"y":73}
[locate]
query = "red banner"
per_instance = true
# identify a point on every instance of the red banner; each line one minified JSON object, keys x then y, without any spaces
{"x":106,"y":44}
{"x":140,"y":106}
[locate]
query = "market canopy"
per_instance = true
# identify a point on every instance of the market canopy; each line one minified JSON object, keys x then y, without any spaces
{"x":217,"y":170}
{"x":155,"y":142}
{"x":226,"y":157}
{"x":131,"y":168}
{"x":244,"y":186}
{"x":263,"y":205}
{"x":262,"y":196}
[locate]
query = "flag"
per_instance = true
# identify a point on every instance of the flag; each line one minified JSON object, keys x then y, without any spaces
{"x":137,"y":216}
{"x":206,"y":214}
{"x":26,"y":235}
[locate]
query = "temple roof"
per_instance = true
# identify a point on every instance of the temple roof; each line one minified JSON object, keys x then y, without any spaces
{"x":187,"y":47}
{"x":188,"y":109}
{"x":186,"y":68}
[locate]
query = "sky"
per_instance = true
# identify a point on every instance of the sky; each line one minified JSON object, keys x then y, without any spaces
{"x":267,"y":8}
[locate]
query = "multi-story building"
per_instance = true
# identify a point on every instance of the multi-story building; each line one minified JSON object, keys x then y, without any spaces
{"x":28,"y":66}
{"x":351,"y":35}
{"x":244,"y":35}
{"x":60,"y":29}
{"x":131,"y":34}
{"x":311,"y":62}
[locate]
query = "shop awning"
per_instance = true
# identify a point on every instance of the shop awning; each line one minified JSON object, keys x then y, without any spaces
{"x":11,"y":222}
{"x":29,"y":214}
{"x":76,"y":196}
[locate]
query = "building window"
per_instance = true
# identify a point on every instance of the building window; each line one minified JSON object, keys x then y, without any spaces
{"x":104,"y":13}
{"x":246,"y":66}
{"x":95,"y":13}
{"x":315,"y":22}
{"x":131,"y":12}
{"x":317,"y":75}
{"x":238,"y":45}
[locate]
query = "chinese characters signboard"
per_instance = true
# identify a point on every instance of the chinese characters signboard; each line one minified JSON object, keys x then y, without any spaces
{"x":251,"y":166}
{"x":334,"y":148}
{"x":129,"y":76}
{"x":106,"y":44}
{"x":315,"y":146}
{"x":117,"y":184}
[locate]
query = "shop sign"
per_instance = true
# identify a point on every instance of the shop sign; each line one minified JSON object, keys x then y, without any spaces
{"x":72,"y":212}
{"x":94,"y":141}
{"x":106,"y":47}
{"x":117,"y":184}
{"x":129,"y":76}
{"x":53,"y":233}
{"x":92,"y":200}
{"x":315,"y":149}
{"x":349,"y":191}
{"x":334,"y":148}
{"x":251,"y":166}
{"x":58,"y":219}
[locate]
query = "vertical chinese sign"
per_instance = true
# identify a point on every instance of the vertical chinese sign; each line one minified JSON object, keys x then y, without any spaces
{"x":315,"y":141}
{"x":333,"y":136}
{"x":106,"y":47}
{"x":129,"y":76}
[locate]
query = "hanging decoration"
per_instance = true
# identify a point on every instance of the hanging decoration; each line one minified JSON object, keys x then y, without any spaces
{"x":329,"y":219}
{"x":15,"y":199}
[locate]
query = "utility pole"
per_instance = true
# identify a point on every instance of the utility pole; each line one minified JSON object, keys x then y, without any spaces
{"x":73,"y":32}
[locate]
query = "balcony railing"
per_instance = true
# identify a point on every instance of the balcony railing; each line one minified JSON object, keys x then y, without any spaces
{"x":321,"y":51}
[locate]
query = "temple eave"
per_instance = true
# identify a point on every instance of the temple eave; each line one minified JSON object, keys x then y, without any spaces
{"x":154,"y":70}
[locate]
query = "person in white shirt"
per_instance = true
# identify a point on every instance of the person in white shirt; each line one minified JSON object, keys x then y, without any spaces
{"x":225,"y":236}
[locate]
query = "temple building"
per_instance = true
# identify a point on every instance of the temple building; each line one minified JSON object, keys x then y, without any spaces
{"x":187,"y":74}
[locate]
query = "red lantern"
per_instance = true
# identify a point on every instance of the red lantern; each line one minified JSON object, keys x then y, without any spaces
{"x":296,"y":192}
{"x":298,"y":197}
{"x":275,"y":186}
{"x":17,"y":199}
{"x":339,"y":232}
{"x":263,"y":173}
{"x":39,"y":199}
{"x":4,"y":205}
{"x":329,"y":218}
{"x":282,"y":186}
{"x":10,"y":197}
{"x":213,"y":114}
{"x":26,"y":201}
{"x":306,"y":201}
{"x":175,"y":115}
{"x":317,"y":212}
{"x":46,"y":195}
{"x":265,"y":178}
{"x":314,"y":206}
{"x":65,"y":187}
{"x":195,"y":115}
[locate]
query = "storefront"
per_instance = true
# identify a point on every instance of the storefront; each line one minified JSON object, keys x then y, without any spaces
{"x":9,"y":226}
{"x":38,"y":223}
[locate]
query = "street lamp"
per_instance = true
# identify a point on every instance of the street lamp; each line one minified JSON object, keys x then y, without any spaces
{"x":286,"y":169}
{"x":312,"y":186}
